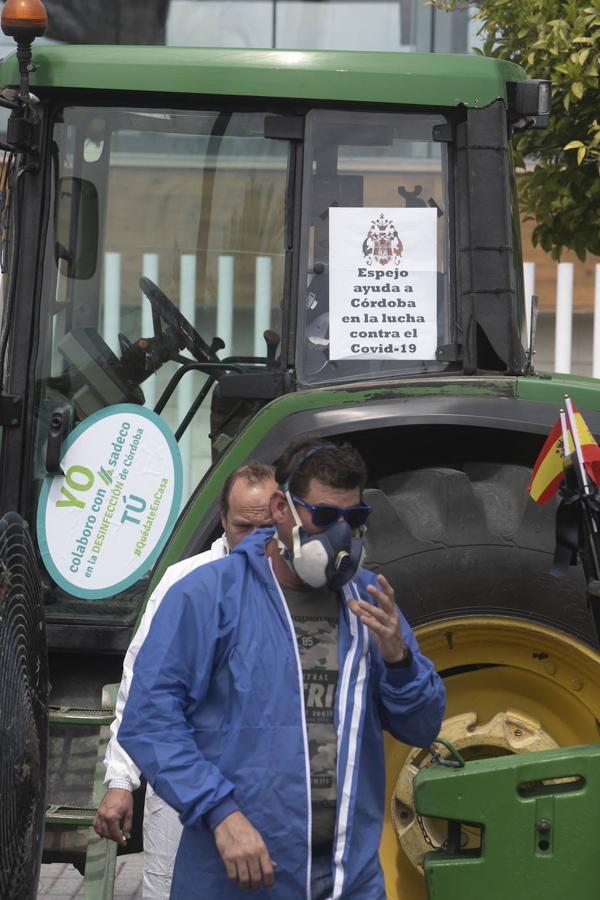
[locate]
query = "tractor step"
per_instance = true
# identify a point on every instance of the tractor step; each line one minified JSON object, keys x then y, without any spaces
{"x":70,"y":815}
{"x":74,"y":715}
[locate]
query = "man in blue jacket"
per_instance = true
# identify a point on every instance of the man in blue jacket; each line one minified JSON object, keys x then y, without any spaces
{"x":260,"y":695}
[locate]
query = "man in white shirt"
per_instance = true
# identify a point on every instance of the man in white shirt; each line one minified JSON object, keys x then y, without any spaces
{"x":245,"y":506}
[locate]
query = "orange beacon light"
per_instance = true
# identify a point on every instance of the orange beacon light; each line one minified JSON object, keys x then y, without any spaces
{"x":24,"y":20}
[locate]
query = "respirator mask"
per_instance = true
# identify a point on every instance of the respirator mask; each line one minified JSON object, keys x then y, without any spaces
{"x":333,"y":556}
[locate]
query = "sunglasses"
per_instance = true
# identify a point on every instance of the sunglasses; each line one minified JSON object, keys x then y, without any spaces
{"x":323,"y":515}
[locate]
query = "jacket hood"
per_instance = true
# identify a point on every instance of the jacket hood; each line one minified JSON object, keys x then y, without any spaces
{"x":253,"y":548}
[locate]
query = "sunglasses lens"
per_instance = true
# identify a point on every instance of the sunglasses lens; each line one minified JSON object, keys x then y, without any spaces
{"x":324,"y":516}
{"x":357,"y":516}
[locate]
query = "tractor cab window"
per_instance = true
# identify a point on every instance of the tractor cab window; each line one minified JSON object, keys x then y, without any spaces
{"x":163,"y":271}
{"x":166,"y":247}
{"x":374,"y":281}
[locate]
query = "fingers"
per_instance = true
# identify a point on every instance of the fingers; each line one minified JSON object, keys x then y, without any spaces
{"x":231,"y":869}
{"x":128,"y":821}
{"x":378,"y":628}
{"x":250,"y":872}
{"x":374,"y":612}
{"x":243,"y":875}
{"x":255,"y":872}
{"x":267,"y":869}
{"x":386,"y":586}
{"x":115,"y":832}
{"x":366,"y":613}
{"x":98,"y":825}
{"x":385,"y":597}
{"x":101,"y":824}
{"x":369,"y":613}
{"x":383,"y":621}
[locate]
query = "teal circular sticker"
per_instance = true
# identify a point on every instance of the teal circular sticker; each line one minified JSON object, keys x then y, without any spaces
{"x":103,"y":522}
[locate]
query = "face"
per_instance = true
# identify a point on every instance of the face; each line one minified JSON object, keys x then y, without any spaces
{"x":249,"y":508}
{"x":317,"y":493}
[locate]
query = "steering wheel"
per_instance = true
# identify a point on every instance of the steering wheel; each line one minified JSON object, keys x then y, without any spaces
{"x":165,"y":309}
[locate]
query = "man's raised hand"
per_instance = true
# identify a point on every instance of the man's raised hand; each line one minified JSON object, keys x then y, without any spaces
{"x":382,"y":620}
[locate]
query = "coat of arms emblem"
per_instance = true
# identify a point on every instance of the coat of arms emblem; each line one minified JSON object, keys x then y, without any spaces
{"x":382,"y":243}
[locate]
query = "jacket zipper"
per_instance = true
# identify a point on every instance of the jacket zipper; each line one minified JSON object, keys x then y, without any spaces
{"x":304,"y":729}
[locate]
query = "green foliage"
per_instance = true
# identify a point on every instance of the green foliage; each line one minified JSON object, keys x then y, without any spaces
{"x":558,"y":40}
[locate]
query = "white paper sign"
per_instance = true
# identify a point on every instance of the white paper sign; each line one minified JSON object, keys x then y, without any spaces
{"x":383,"y":283}
{"x":102,"y":524}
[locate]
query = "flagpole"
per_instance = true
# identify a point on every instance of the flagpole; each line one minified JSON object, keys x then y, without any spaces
{"x":584,"y":477}
{"x":565,"y":434}
{"x":581,"y":491}
{"x":577,"y":444}
{"x":589,"y":518}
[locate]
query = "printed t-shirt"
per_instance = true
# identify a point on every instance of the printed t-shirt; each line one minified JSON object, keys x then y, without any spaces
{"x":315,"y":614}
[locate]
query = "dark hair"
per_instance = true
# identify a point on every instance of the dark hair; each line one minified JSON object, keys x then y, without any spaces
{"x":336,"y":465}
{"x":253,"y":472}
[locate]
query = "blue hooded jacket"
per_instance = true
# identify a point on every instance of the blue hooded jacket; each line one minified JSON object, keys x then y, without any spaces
{"x":215,"y":721}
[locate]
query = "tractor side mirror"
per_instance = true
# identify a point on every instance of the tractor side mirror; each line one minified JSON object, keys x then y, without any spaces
{"x":77,"y":227}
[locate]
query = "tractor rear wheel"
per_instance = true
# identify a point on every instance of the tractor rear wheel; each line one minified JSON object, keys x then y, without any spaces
{"x":513,"y":686}
{"x":469,"y":555}
{"x":23,"y":713}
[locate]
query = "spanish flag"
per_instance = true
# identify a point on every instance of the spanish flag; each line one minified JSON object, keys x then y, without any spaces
{"x":548,"y":470}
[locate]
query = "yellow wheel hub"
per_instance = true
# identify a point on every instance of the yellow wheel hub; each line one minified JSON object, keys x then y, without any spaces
{"x":508,"y":732}
{"x":512,"y":687}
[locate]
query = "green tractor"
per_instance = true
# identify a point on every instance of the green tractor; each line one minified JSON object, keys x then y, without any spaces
{"x":210,"y":253}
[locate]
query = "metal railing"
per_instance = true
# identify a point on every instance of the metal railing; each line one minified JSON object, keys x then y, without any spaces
{"x":563,"y":327}
{"x":239,"y":344}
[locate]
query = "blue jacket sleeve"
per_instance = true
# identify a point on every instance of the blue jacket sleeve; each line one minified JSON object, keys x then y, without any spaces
{"x":412,"y":700}
{"x":173,"y":671}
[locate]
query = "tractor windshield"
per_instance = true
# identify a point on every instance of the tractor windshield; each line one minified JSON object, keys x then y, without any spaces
{"x":166,"y":230}
{"x":374,"y":282}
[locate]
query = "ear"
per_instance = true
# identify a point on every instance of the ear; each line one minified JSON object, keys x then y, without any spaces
{"x":279,"y":507}
{"x":223,"y":522}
